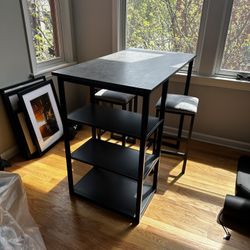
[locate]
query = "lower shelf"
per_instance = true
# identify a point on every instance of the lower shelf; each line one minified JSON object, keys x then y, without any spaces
{"x":113,"y":191}
{"x":96,"y":152}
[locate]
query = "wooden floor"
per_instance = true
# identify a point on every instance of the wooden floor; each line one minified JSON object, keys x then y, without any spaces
{"x":182,"y":214}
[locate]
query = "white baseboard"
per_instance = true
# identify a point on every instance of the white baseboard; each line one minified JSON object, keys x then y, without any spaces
{"x":10,"y":153}
{"x":239,"y":145}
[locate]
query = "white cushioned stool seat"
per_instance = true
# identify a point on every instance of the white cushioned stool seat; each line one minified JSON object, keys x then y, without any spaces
{"x":180,"y":102}
{"x":113,"y":96}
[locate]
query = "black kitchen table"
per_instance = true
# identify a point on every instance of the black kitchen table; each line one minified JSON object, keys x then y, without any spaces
{"x":119,"y":179}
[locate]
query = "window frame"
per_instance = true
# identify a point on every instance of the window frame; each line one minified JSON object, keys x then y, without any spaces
{"x":211,"y":42}
{"x":222,"y":42}
{"x":65,"y":42}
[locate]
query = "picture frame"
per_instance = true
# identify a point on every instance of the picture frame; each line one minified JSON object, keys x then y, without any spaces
{"x":17,"y":118}
{"x":40,"y":106}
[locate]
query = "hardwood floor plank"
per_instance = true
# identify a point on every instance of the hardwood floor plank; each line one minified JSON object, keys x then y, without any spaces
{"x":181,"y":215}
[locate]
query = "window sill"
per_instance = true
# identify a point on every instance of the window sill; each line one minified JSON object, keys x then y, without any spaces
{"x":47,"y":71}
{"x":215,"y":81}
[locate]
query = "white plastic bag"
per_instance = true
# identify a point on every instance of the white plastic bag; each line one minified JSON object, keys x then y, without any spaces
{"x":17,"y":228}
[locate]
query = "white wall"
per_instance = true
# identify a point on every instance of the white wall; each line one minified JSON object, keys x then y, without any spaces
{"x":223,"y":115}
{"x":93,"y":35}
{"x":93,"y":28}
{"x":92,"y":19}
{"x":14,"y":61}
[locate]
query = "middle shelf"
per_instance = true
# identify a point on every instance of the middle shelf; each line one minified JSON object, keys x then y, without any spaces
{"x":121,"y":160}
{"x":114,"y":120}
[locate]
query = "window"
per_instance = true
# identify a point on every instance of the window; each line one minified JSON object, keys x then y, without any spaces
{"x":163,"y":25}
{"x":47,"y":32}
{"x":217,"y":31}
{"x":236,"y":56}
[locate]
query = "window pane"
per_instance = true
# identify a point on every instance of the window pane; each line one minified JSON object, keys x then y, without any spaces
{"x":171,"y":25}
{"x":237,"y":49}
{"x":44,"y":29}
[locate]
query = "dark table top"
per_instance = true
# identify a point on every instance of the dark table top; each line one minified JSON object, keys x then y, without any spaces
{"x":132,"y":70}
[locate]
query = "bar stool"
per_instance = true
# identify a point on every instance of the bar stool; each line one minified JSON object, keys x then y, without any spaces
{"x":182,"y":105}
{"x":117,"y":98}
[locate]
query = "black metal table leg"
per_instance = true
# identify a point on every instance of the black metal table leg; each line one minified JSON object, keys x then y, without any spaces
{"x":144,"y":126}
{"x":187,"y":85}
{"x":92,"y":100}
{"x":66,"y":133}
{"x":157,"y":146}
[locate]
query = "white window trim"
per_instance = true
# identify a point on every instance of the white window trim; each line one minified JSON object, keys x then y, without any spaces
{"x":115,"y":25}
{"x":213,"y":81}
{"x":118,"y":25}
{"x":222,"y":39}
{"x":65,"y":39}
{"x":201,"y":35}
{"x":210,"y":44}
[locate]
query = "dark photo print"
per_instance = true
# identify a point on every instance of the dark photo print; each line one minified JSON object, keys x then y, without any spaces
{"x":45,"y":116}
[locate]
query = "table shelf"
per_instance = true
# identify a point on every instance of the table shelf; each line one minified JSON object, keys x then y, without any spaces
{"x":121,"y":160}
{"x":112,"y":191}
{"x":113,"y":120}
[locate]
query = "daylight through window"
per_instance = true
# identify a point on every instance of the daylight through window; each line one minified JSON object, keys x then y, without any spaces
{"x":236,"y":55}
{"x":42,"y":16}
{"x":171,"y":25}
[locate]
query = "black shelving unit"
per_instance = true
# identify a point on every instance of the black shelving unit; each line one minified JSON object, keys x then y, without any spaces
{"x":119,"y":177}
{"x":114,"y":179}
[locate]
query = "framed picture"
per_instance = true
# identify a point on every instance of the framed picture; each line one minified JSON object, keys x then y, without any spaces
{"x":16,"y":116}
{"x":41,"y":109}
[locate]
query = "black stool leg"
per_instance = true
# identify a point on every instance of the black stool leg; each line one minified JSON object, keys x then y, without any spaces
{"x":130,"y":104}
{"x":157,"y":114}
{"x":135,"y":103}
{"x":178,"y":142}
{"x":99,"y":131}
{"x":124,"y":107}
{"x":187,"y":145}
{"x":131,"y":108}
